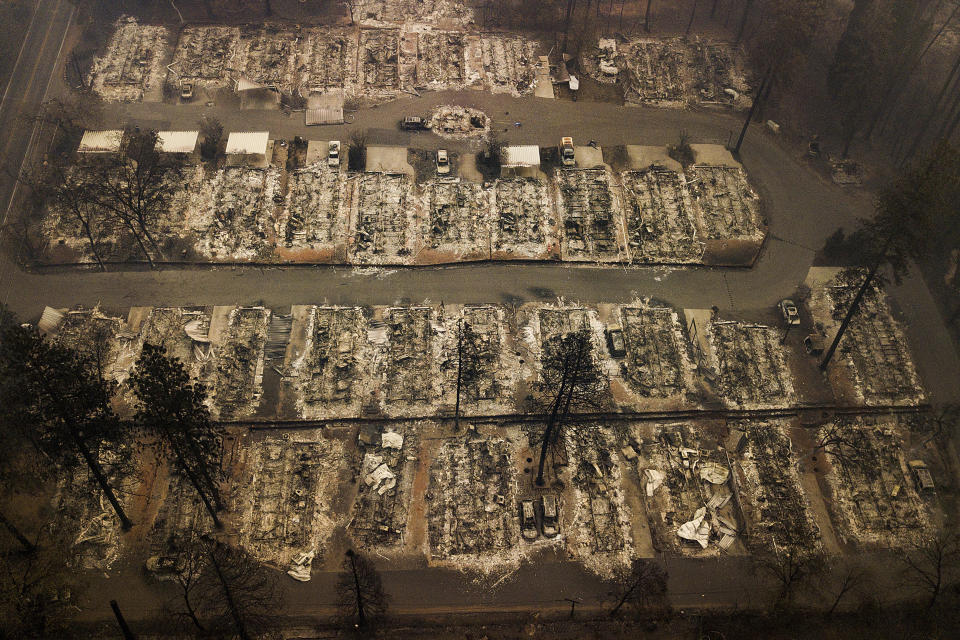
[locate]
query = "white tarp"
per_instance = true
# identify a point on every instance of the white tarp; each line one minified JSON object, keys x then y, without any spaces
{"x":697,"y":529}
{"x":654,"y":478}
{"x":574,"y":83}
{"x":714,"y":472}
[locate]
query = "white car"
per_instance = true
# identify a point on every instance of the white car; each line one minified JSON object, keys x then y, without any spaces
{"x":333,"y":154}
{"x":443,"y":163}
{"x":528,"y":520}
{"x":789,"y":310}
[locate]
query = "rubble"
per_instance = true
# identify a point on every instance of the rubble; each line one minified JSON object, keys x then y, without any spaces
{"x":717,"y":70}
{"x":489,"y":391}
{"x":268,"y":56}
{"x":656,"y":71}
{"x":873,"y":357}
{"x":419,"y":11}
{"x":473,"y":504}
{"x":752,"y":364}
{"x":101,"y":338}
{"x":603,"y":62}
{"x":725,"y":204}
{"x":657,"y":359}
{"x":285,"y":497}
{"x":166,"y":327}
{"x":181,"y":516}
{"x":383,"y":218}
{"x":505,"y":64}
{"x":327,"y":58}
{"x":600,"y":537}
{"x":409,"y":355}
{"x":771,"y":495}
{"x":330,"y":375}
{"x":238,"y":356}
{"x":451,"y":121}
{"x":522,"y":214}
{"x":457,"y":222}
{"x":132,"y":64}
{"x":205,"y":55}
{"x":440,"y":61}
{"x":312,"y":216}
{"x":590,"y":213}
{"x":659,"y":217}
{"x":231,"y":213}
{"x":379,"y":517}
{"x":378,"y":66}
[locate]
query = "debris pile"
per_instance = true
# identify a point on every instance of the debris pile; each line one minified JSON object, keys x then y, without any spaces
{"x":656,"y":72}
{"x":410,"y":357}
{"x":132,"y":63}
{"x":440,"y":60}
{"x":602,"y":63}
{"x":508,"y":64}
{"x":420,"y":11}
{"x":718,"y":72}
{"x":590,"y":215}
{"x":285,"y":504}
{"x":327,"y":58}
{"x":771,"y":496}
{"x":457,"y":218}
{"x":659,"y":217}
{"x":451,"y":121}
{"x":312,"y":216}
{"x":474,"y":335}
{"x":183,"y":333}
{"x":379,"y":69}
{"x":268,"y":56}
{"x":522,"y":213}
{"x":181,"y":514}
{"x":205,"y":55}
{"x":237,"y":379}
{"x":688,"y":490}
{"x":472,"y":503}
{"x":388,"y":464}
{"x":101,"y":338}
{"x":726,"y":206}
{"x":601,"y":519}
{"x":657,"y":360}
{"x":382,"y":227}
{"x":231,"y":213}
{"x":873,"y":352}
{"x":330,"y":372}
{"x":752,"y":364}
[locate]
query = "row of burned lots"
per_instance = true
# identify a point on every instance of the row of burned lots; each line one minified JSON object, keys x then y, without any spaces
{"x":139,"y":61}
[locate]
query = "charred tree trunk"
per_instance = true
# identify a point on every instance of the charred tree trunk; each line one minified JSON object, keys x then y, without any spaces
{"x":28,"y":546}
{"x":850,"y":313}
{"x":743,"y":20}
{"x":646,"y":17}
{"x":101,"y":479}
{"x":571,"y":6}
{"x":228,"y":596}
{"x":361,"y":615}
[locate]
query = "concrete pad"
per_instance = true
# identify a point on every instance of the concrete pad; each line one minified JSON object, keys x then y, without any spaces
{"x":640,"y":157}
{"x":388,"y":160}
{"x":136,"y":316}
{"x":219,"y":321}
{"x":329,"y":99}
{"x":818,"y":277}
{"x":317,"y":151}
{"x":714,"y":154}
{"x":467,"y":168}
{"x":588,"y":157}
{"x":543,"y":87}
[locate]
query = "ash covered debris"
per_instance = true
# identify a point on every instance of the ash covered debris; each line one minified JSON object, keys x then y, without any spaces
{"x":312,"y":216}
{"x":590,"y":214}
{"x":657,"y":355}
{"x":440,"y":60}
{"x":386,"y":470}
{"x":656,"y":71}
{"x":237,"y":377}
{"x":875,"y":499}
{"x":660,"y":217}
{"x":751,"y":363}
{"x":522,"y":213}
{"x":382,"y":217}
{"x":472,"y":503}
{"x":506,"y":64}
{"x":771,"y":495}
{"x":418,"y":11}
{"x":717,"y":70}
{"x":873,"y":357}
{"x":601,"y":536}
{"x":101,"y":338}
{"x":330,"y":376}
{"x":181,"y":516}
{"x":231,"y":214}
{"x":132,"y":64}
{"x":268,"y":54}
{"x":457,"y":218}
{"x":481,"y":329}
{"x":171,"y":328}
{"x":725,"y":204}
{"x":410,"y":357}
{"x":284,"y":500}
{"x":378,"y":66}
{"x":327,"y":58}
{"x":452,"y":121}
{"x":205,"y":55}
{"x":687,"y":488}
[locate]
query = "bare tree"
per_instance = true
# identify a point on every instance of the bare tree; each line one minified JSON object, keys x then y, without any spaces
{"x":361,"y":599}
{"x":842,"y":581}
{"x":790,"y":568}
{"x":838,"y":439}
{"x":357,"y":153}
{"x":570,"y":378}
{"x":469,"y":363}
{"x":225,"y":589}
{"x":212,"y":132}
{"x":643,"y":586}
{"x":932,"y":563}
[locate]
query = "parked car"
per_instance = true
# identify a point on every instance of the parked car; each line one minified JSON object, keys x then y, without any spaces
{"x":186,"y":90}
{"x":413,"y":123}
{"x":615,"y":343}
{"x":921,"y":476}
{"x":333,"y":154}
{"x":567,"y":158}
{"x":443,"y":162}
{"x":550,"y":515}
{"x":528,"y":520}
{"x":789,"y":310}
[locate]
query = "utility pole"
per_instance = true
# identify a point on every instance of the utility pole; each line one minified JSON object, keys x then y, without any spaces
{"x":124,"y":629}
{"x":753,"y":108}
{"x":361,"y":618}
{"x":646,"y":18}
{"x":693,"y":14}
{"x":573,"y":604}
